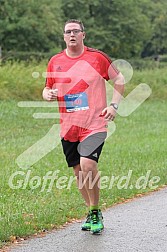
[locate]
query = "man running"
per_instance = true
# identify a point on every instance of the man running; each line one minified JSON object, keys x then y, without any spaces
{"x":76,"y":79}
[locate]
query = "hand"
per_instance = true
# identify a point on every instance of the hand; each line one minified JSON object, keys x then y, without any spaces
{"x":50,"y":94}
{"x":109,"y":113}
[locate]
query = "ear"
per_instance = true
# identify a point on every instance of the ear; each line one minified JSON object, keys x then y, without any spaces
{"x":84,"y":35}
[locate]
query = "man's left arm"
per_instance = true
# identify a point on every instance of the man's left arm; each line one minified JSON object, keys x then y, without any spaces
{"x":110,"y":111}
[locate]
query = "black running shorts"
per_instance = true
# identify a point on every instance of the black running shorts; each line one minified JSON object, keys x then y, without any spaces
{"x":90,"y":147}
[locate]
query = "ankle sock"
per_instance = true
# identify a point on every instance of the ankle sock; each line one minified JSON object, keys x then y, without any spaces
{"x":94,"y":208}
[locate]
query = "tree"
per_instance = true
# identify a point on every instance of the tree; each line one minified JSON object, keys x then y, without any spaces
{"x":122,"y":29}
{"x":119,"y":28}
{"x":157,"y":43}
{"x":30,"y":25}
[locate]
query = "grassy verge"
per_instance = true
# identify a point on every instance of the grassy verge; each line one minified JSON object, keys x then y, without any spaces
{"x":25,"y":82}
{"x":138,"y":145}
{"x":137,"y":148}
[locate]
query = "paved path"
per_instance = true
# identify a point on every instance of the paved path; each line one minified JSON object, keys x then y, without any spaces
{"x":139,"y":225}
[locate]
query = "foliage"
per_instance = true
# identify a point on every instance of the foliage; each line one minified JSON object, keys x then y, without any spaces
{"x":29,"y":25}
{"x":18,"y":81}
{"x":123,"y":29}
{"x":117,"y":27}
{"x":27,"y":56}
{"x":157,"y":12}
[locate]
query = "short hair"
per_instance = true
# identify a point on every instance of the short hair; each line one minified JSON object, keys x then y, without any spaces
{"x":76,"y":21}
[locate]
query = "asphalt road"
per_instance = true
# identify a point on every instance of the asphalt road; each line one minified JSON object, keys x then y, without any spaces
{"x":139,"y":225}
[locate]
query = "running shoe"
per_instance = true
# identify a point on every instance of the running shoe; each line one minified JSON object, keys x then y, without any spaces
{"x":96,"y":222}
{"x":86,"y":225}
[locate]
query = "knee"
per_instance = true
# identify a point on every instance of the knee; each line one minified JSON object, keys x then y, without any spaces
{"x":88,"y":165}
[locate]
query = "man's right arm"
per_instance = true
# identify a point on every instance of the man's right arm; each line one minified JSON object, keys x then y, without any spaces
{"x":50,"y":94}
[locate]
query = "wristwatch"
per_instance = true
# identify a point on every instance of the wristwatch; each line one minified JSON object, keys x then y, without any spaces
{"x":114,"y":105}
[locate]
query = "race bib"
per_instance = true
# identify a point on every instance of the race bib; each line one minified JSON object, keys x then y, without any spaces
{"x":76,"y":102}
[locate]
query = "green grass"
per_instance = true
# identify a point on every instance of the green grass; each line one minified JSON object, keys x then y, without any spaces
{"x":155,"y":78}
{"x":138,"y":144}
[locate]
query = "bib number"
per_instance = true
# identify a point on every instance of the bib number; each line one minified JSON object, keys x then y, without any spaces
{"x":76,"y":102}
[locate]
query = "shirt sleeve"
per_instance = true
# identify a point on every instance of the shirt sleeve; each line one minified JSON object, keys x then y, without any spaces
{"x":108,"y":70}
{"x":49,"y":78}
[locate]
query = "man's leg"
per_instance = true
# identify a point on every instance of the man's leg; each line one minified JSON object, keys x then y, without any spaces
{"x":91,"y":176}
{"x":86,"y":226}
{"x":82,"y":189}
{"x":92,"y":179}
{"x":90,"y":150}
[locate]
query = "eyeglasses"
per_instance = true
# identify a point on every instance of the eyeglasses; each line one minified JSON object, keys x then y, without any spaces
{"x":75,"y":32}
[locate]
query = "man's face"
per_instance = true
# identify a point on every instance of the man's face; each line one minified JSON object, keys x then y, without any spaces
{"x":73,"y":36}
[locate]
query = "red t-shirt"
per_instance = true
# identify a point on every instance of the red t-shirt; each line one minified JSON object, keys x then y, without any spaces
{"x":81,"y":91}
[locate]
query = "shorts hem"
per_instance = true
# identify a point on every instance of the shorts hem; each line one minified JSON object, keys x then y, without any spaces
{"x":72,"y":164}
{"x":92,"y":158}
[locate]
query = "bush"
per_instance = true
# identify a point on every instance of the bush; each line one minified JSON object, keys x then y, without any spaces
{"x":146,"y":63}
{"x":28,"y":56}
{"x":18,"y":83}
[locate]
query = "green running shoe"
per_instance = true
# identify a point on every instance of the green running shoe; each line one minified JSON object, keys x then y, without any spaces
{"x":86,"y":225}
{"x":96,"y":222}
